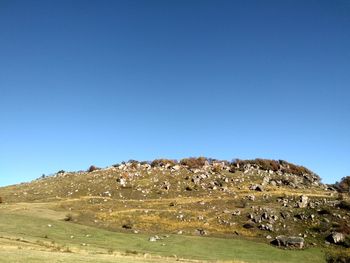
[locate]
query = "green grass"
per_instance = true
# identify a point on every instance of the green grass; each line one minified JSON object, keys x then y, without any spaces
{"x":35,"y":230}
{"x":32,"y":256}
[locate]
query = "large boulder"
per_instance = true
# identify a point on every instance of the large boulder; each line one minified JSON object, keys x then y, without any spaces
{"x":303,"y":202}
{"x":336,"y":238}
{"x":285,"y":241}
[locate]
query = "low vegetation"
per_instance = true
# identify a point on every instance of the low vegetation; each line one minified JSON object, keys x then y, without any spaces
{"x":64,"y":238}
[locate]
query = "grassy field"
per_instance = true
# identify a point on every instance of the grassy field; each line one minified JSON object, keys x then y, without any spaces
{"x":38,"y":234}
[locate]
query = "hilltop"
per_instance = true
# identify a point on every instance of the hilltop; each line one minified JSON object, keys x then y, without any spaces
{"x":267,"y":202}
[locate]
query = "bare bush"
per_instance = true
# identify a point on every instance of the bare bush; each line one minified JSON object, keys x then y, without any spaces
{"x":344,"y":185}
{"x":93,"y":168}
{"x":163,"y":162}
{"x":194,"y":162}
{"x":273,"y":165}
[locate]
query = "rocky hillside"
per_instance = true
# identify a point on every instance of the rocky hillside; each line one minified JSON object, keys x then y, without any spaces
{"x":270,"y":201}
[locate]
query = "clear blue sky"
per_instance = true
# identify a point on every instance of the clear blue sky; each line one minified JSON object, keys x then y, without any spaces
{"x":98,"y":82}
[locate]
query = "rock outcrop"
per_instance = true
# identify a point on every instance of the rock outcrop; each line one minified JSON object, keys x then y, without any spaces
{"x":285,"y":241}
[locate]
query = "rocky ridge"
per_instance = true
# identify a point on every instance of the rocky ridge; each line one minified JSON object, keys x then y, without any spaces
{"x":269,"y":200}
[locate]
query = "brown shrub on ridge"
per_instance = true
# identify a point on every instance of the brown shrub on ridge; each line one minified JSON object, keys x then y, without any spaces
{"x":93,"y":168}
{"x":163,"y":162}
{"x":294,"y":169}
{"x":193,"y":163}
{"x":263,"y":164}
{"x":344,"y":185}
{"x":266,"y":164}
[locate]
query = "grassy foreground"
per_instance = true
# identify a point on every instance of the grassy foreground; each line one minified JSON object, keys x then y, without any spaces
{"x":27,"y":237}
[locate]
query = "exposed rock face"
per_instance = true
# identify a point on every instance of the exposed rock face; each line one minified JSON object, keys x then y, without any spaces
{"x":284,"y":241}
{"x":336,"y":238}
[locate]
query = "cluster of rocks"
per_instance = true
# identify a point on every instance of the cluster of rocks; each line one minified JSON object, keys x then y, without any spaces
{"x":265,"y":218}
{"x":289,"y":241}
{"x":211,"y":175}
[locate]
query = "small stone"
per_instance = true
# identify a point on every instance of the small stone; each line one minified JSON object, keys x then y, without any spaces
{"x":152,"y":239}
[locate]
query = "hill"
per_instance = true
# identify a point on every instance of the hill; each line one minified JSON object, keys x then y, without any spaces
{"x":196,"y":209}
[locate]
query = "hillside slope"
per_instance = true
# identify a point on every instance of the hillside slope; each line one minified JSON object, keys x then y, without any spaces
{"x":254,"y":200}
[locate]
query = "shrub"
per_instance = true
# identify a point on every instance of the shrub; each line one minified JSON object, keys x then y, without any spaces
{"x":338,"y":257}
{"x":343,"y":227}
{"x":324,"y":211}
{"x":127,"y":226}
{"x":238,"y":163}
{"x":193,"y":163}
{"x":163,"y":162}
{"x":268,"y":164}
{"x":264,"y":164}
{"x":344,"y":205}
{"x":217,"y":169}
{"x":344,"y":185}
{"x":248,"y":225}
{"x":93,"y":168}
{"x":294,"y":169}
{"x":0,"y":200}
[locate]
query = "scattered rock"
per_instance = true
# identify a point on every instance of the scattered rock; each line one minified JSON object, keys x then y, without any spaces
{"x":303,"y":201}
{"x":284,"y":241}
{"x":152,"y":239}
{"x":201,"y":232}
{"x":257,"y":187}
{"x":236,"y":213}
{"x":251,"y":197}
